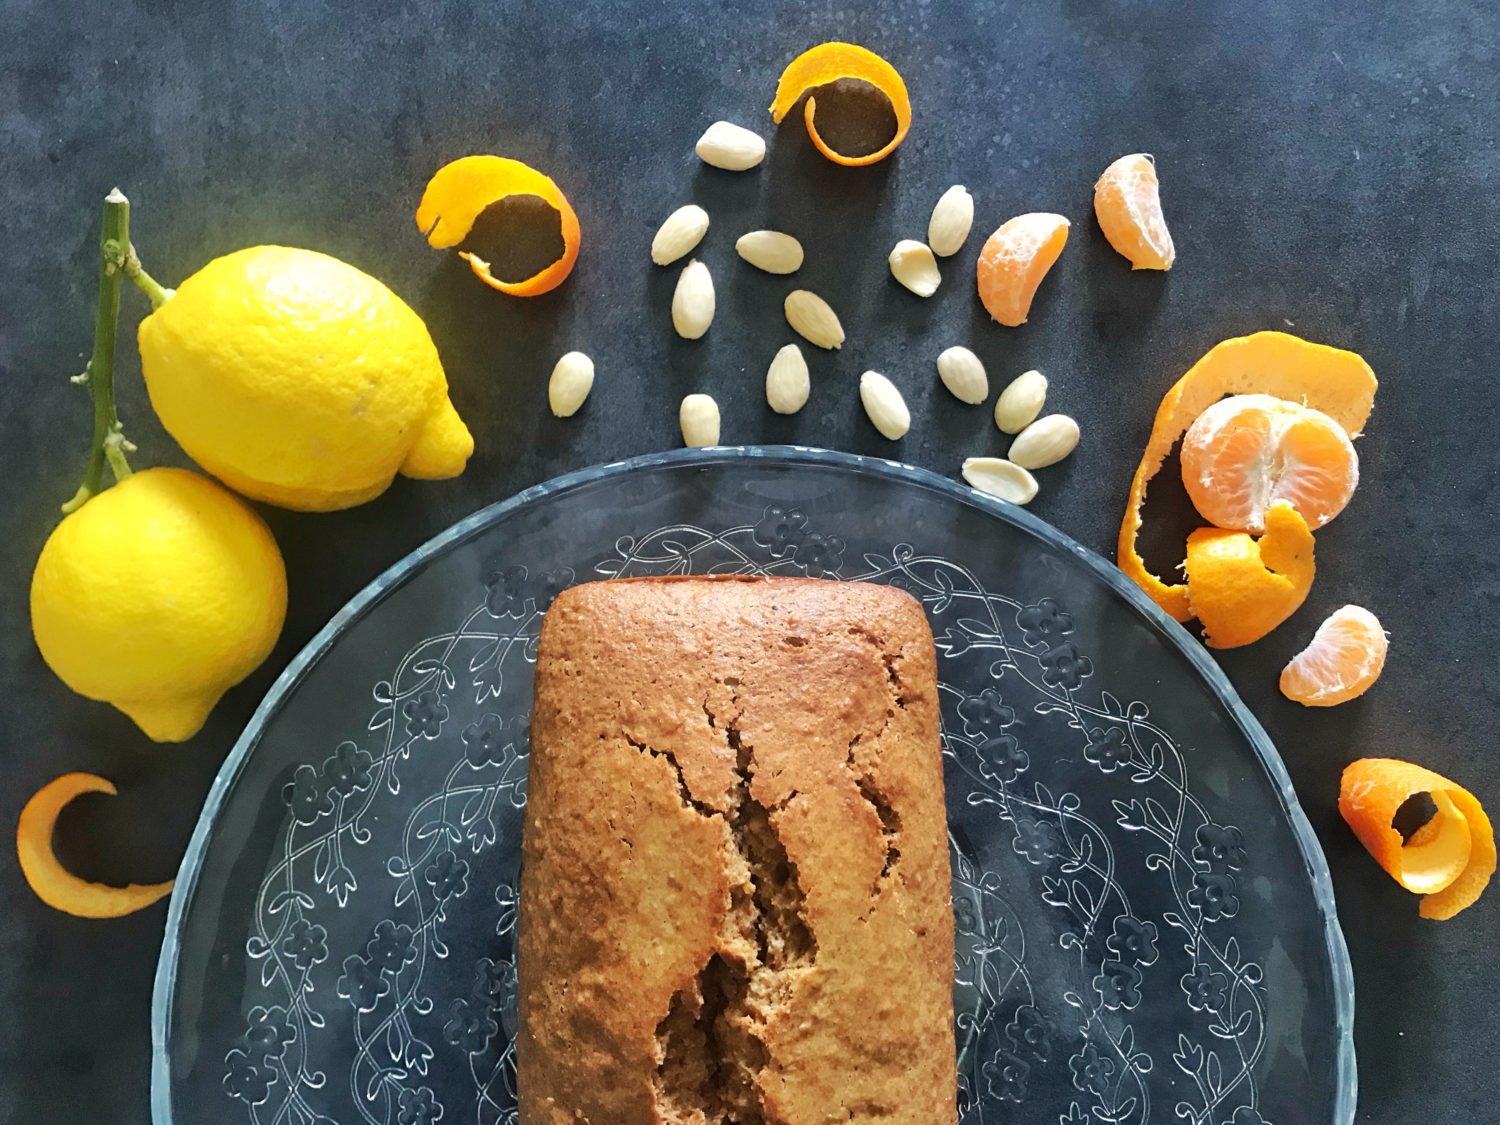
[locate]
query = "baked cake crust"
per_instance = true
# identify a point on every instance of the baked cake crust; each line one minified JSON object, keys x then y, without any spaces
{"x":735,"y":901}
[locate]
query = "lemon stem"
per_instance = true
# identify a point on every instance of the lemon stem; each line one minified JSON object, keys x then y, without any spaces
{"x":109,"y":444}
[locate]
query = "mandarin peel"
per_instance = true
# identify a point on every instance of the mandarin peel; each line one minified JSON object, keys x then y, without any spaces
{"x":461,"y":190}
{"x":1240,"y":588}
{"x":1335,"y":381}
{"x":53,"y":883}
{"x":827,"y":63}
{"x":1449,"y":860}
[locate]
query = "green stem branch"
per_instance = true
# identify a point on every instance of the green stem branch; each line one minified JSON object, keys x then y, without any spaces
{"x":117,"y":259}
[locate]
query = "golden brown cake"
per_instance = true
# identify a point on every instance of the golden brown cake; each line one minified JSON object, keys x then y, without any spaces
{"x":735,"y":900}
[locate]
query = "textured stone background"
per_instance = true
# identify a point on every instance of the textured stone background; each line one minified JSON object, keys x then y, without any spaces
{"x":1332,"y":172}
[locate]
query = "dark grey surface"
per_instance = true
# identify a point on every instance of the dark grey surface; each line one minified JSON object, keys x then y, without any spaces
{"x":1335,"y":172}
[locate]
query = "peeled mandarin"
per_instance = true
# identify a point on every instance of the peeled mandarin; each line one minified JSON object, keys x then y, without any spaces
{"x":1013,"y":262}
{"x":1127,"y":203}
{"x":1343,"y":660}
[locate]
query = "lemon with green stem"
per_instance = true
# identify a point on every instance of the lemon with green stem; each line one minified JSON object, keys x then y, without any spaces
{"x":299,"y":380}
{"x":161,"y":592}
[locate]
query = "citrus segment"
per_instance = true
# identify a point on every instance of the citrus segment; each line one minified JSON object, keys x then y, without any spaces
{"x":1241,"y":588}
{"x":1127,"y":203}
{"x":1013,"y":262}
{"x":460,"y":191}
{"x":1244,"y":453}
{"x":829,"y":62}
{"x":1344,"y":658}
{"x":1337,"y":382}
{"x":1449,"y":861}
{"x":53,"y":883}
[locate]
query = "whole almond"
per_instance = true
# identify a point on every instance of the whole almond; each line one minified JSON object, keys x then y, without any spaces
{"x":963,"y":374}
{"x":1020,"y":402}
{"x":913,"y":265}
{"x":693,"y":301}
{"x":699,"y":418}
{"x":571,"y":381}
{"x":999,"y":477}
{"x":813,"y":320}
{"x":951,"y":219}
{"x":770,"y":250}
{"x":787,"y":384}
{"x":683,"y":230}
{"x":884,"y":404}
{"x":1045,"y":442}
{"x":731,"y":147}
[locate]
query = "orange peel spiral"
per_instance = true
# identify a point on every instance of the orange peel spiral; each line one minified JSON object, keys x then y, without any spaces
{"x":463,"y":188}
{"x":828,"y":62}
{"x":1449,"y":860}
{"x":53,"y":883}
{"x":1241,"y":588}
{"x":1337,"y":382}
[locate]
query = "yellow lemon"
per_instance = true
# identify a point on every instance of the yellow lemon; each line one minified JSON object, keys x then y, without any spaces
{"x":299,"y":380}
{"x":157,"y":596}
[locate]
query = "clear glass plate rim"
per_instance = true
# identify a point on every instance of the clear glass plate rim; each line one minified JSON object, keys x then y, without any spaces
{"x":1270,"y":759}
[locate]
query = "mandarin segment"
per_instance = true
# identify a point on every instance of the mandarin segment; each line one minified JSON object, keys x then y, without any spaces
{"x":1241,"y":588}
{"x":1337,"y":382}
{"x":1127,"y":203}
{"x":1449,"y":861}
{"x":1244,"y":453}
{"x":1342,"y":661}
{"x":461,"y":190}
{"x":829,"y":62}
{"x":54,"y":884}
{"x":1014,"y":261}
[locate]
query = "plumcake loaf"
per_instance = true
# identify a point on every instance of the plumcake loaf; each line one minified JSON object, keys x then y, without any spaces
{"x":735,"y":902}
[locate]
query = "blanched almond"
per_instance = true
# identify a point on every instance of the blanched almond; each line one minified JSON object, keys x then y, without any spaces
{"x":1020,"y":402}
{"x":999,"y":477}
{"x":951,"y":219}
{"x":699,"y":418}
{"x":813,"y":320}
{"x":1045,"y":442}
{"x":683,"y":230}
{"x":770,"y":250}
{"x":913,"y":265}
{"x":731,"y":147}
{"x":693,"y":301}
{"x":884,"y":404}
{"x":572,"y":379}
{"x":963,"y":374}
{"x":787,"y":384}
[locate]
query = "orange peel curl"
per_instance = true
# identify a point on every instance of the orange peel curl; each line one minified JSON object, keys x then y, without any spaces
{"x":1337,"y":382}
{"x":1241,"y":588}
{"x":828,"y":62}
{"x":53,"y":883}
{"x":1449,"y":860}
{"x":460,"y":191}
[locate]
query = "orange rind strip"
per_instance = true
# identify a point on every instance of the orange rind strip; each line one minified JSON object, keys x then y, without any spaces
{"x":828,"y":62}
{"x":462,"y":189}
{"x":1241,"y":588}
{"x":1335,"y":381}
{"x":53,"y":883}
{"x":1449,"y":860}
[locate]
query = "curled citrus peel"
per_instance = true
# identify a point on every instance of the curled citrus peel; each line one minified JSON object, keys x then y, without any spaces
{"x":1337,"y":382}
{"x":461,"y":190}
{"x":1241,"y":588}
{"x":1449,"y":860}
{"x":828,"y":62}
{"x":54,"y":884}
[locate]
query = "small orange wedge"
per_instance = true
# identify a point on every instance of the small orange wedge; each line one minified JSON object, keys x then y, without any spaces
{"x":1127,"y":203}
{"x":1449,"y":860}
{"x":1013,"y":262}
{"x":1343,"y":660}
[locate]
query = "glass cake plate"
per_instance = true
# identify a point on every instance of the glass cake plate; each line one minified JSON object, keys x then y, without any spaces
{"x":1145,"y":924}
